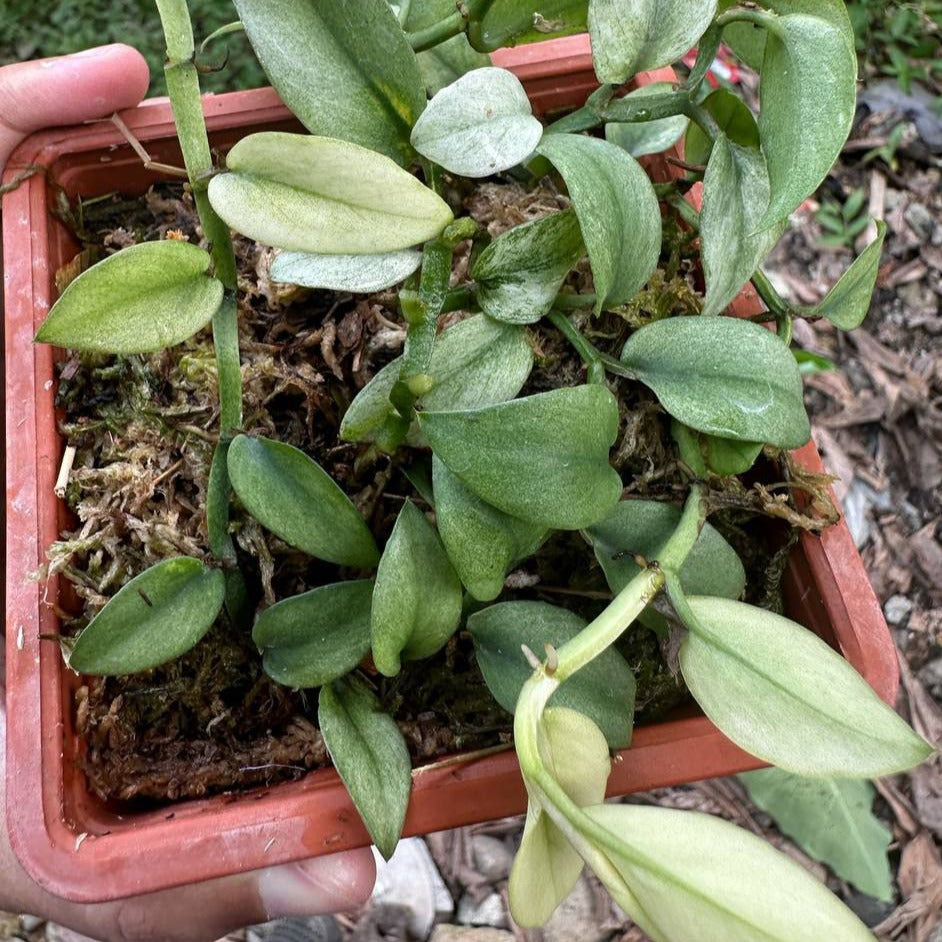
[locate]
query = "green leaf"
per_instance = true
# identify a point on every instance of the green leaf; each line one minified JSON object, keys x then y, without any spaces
{"x":726,"y":457}
{"x":604,"y":690}
{"x":510,"y":22}
{"x":694,"y":876}
{"x":807,"y":98}
{"x":345,"y":69}
{"x":735,"y":198}
{"x":483,"y":543}
{"x":631,"y":36}
{"x":155,"y":618}
{"x":443,"y":64}
{"x":782,"y":694}
{"x":324,"y":196}
{"x":546,"y":867}
{"x":294,"y":497}
{"x":370,"y":756}
{"x":143,"y":298}
{"x":832,"y":821}
{"x":479,"y":125}
{"x":617,"y":209}
{"x":848,"y":302}
{"x":475,"y":363}
{"x":312,"y":639}
{"x":647,"y":137}
{"x":417,"y":598}
{"x":733,"y":118}
{"x":543,"y":458}
{"x":723,"y":376}
{"x":520,"y":273}
{"x":360,"y":274}
{"x":643,"y":527}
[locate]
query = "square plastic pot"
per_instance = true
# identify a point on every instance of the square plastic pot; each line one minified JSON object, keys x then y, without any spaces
{"x":80,"y":848}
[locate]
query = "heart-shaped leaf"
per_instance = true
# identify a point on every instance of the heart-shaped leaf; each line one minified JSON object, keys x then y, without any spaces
{"x":726,"y":457}
{"x":482,"y":541}
{"x":143,"y":298}
{"x":734,"y":119}
{"x":370,"y":756}
{"x":475,"y":363}
{"x":441,"y":65}
{"x":546,"y":867}
{"x":782,"y":694}
{"x":520,"y":273}
{"x":831,"y":820}
{"x":360,"y":274}
{"x":647,"y":137}
{"x":806,"y":111}
{"x":312,"y":639}
{"x":617,"y":210}
{"x":630,"y":36}
{"x":346,"y":70}
{"x":479,"y":125}
{"x":604,"y":690}
{"x":294,"y":497}
{"x":723,"y":376}
{"x":676,"y":890}
{"x":417,"y":598}
{"x":324,"y":196}
{"x":848,"y":302}
{"x":509,"y":22}
{"x":642,"y":527}
{"x":155,"y":618}
{"x":543,"y":458}
{"x":735,"y":198}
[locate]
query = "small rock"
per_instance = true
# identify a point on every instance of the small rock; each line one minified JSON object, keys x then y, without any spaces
{"x":31,"y":923}
{"x":469,"y":934}
{"x":919,"y":219}
{"x":492,"y":857}
{"x":410,"y":879}
{"x":870,"y":911}
{"x":931,"y":674}
{"x":576,"y":918}
{"x":314,"y":929}
{"x":56,"y":933}
{"x":488,"y":912}
{"x":897,"y":609}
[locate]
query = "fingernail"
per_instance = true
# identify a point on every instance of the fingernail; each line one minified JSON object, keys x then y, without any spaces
{"x":313,"y":887}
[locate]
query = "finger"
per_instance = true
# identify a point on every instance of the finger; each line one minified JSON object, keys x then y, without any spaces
{"x":68,"y":90}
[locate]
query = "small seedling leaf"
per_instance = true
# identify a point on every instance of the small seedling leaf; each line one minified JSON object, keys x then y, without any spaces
{"x":726,"y":457}
{"x":360,"y":274}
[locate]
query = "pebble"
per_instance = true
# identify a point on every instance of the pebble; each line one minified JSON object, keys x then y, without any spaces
{"x":470,"y":934}
{"x":919,"y":219}
{"x":31,"y":923}
{"x":56,"y":933}
{"x":492,"y":857}
{"x":488,"y":912}
{"x":576,"y":918}
{"x":411,"y":880}
{"x":897,"y":609}
{"x":314,"y":929}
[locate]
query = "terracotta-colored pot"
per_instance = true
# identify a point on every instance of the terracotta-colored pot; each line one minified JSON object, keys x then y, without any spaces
{"x":80,"y":848}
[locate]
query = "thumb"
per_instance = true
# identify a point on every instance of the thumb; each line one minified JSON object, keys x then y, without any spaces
{"x":68,"y":90}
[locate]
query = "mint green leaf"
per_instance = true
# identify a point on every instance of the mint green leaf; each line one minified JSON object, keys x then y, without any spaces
{"x":441,"y":65}
{"x":735,"y":198}
{"x":479,"y":125}
{"x":723,"y":376}
{"x":733,"y":118}
{"x":848,"y":302}
{"x":831,"y":820}
{"x":360,"y":274}
{"x":546,"y":867}
{"x":726,"y":457}
{"x":294,"y":497}
{"x":693,"y":876}
{"x":475,"y":363}
{"x":617,"y":210}
{"x":807,"y":94}
{"x":317,"y":637}
{"x":483,"y":543}
{"x":370,"y":756}
{"x":543,"y":458}
{"x":510,"y":22}
{"x":631,"y":36}
{"x":782,"y":694}
{"x":145,"y":297}
{"x":417,"y":597}
{"x":324,"y":196}
{"x":520,"y":273}
{"x":345,"y":69}
{"x":647,"y":137}
{"x":604,"y":690}
{"x":643,"y":527}
{"x":159,"y":615}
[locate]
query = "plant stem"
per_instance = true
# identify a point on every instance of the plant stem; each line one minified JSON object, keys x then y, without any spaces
{"x":763,"y":18}
{"x":437,"y":33}
{"x":588,"y":353}
{"x":777,"y":305}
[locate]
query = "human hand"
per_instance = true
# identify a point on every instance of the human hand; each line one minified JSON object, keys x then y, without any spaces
{"x":69,"y":90}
